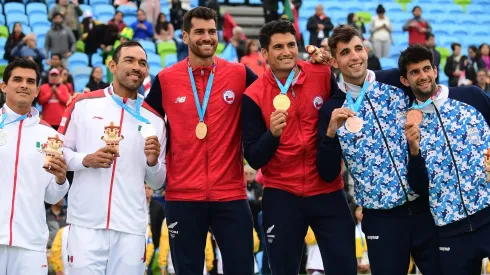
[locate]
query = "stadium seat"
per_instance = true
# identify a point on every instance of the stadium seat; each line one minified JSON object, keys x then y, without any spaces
{"x":453,"y":9}
{"x":154,"y":60}
{"x":80,"y":84}
{"x":97,"y":60}
{"x":104,"y":18}
{"x":149,"y":46}
{"x":25,"y":28}
{"x":3,"y":41}
{"x":98,"y":2}
{"x":446,"y":19}
{"x":440,"y":30}
{"x":388,"y":63}
{"x":13,"y":8}
{"x":178,"y":34}
{"x":433,"y":10}
{"x":129,"y":19}
{"x":458,"y":30}
{"x":332,"y":8}
{"x":255,"y":2}
{"x":85,"y":7}
{"x":170,"y":59}
{"x":166,"y":47}
{"x":17,"y":17}
{"x":36,"y":8}
{"x":1,"y":9}
{"x":127,"y":10}
{"x":393,"y":7}
{"x":485,"y":21}
{"x":194,"y":3}
{"x":104,"y":9}
{"x":40,"y":29}
{"x":81,"y":71}
{"x":400,"y":17}
{"x":474,"y":9}
{"x":154,"y":70}
{"x":40,"y":41}
{"x":236,"y":1}
{"x":78,"y":59}
{"x":2,"y":19}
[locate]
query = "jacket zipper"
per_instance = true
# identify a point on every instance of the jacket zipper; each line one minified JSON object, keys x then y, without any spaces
{"x":455,"y":166}
{"x":17,"y":152}
{"x":300,"y":130}
{"x":206,"y":168}
{"x":114,"y":170}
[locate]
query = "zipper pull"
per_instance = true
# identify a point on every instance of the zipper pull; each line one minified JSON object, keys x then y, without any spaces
{"x":293,"y":93}
{"x":202,"y":72}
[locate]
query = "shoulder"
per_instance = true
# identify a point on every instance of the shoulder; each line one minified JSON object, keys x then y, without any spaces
{"x":255,"y":88}
{"x":152,"y":111}
{"x":177,"y":67}
{"x":314,"y":68}
{"x":46,"y":128}
{"x":230,"y":66}
{"x":334,"y":102}
{"x":82,"y":99}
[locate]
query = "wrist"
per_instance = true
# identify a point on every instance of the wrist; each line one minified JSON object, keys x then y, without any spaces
{"x":331,"y":133}
{"x":60,"y":181}
{"x":85,"y":162}
{"x":415,"y":152}
{"x":151,"y":164}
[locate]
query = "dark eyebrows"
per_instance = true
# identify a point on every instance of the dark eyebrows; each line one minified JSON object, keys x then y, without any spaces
{"x":133,"y":58}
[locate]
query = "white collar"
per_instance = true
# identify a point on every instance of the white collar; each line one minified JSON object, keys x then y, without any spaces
{"x":439,"y":100}
{"x":109,"y":92}
{"x":11,"y":115}
{"x":354,"y":90}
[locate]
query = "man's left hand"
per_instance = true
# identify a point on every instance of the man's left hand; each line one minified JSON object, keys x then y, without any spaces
{"x":152,"y":150}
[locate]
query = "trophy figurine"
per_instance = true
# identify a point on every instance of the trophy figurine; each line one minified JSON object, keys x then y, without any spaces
{"x":52,"y":148}
{"x":112,"y":137}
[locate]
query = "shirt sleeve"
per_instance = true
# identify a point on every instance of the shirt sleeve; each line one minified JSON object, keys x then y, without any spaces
{"x":417,"y":175}
{"x":250,"y":76}
{"x":55,"y":192}
{"x":154,"y":97}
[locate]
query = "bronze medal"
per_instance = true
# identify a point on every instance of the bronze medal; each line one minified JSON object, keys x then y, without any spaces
{"x":354,"y":124}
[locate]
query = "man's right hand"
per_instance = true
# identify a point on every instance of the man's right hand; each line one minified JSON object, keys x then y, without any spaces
{"x":103,"y":158}
{"x":278,"y":122}
{"x":339,"y":116}
{"x":320,"y":26}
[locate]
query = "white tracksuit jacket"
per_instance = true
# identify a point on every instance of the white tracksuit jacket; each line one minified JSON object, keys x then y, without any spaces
{"x":112,"y":198}
{"x":24,"y":184}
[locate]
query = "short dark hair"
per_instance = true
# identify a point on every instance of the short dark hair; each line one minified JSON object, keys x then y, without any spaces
{"x":454,"y":45}
{"x":416,"y":7}
{"x":414,"y":54}
{"x":201,"y":13}
{"x":21,"y":62}
{"x":342,"y":33}
{"x":57,"y":13}
{"x":380,"y":9}
{"x":127,"y":44}
{"x":57,"y":54}
{"x":273,"y":27}
{"x":429,"y":35}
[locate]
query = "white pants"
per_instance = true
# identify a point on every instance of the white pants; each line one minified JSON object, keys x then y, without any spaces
{"x":104,"y":251}
{"x":16,"y":260}
{"x":382,"y":48}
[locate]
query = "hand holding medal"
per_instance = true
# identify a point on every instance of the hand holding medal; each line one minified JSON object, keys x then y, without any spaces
{"x":278,"y":122}
{"x":339,"y":117}
{"x":412,"y":133}
{"x":354,"y":123}
{"x":152,"y":145}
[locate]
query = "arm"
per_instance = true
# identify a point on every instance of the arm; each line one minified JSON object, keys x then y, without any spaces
{"x":154,"y":97}
{"x":258,"y":142}
{"x":372,"y":27}
{"x":209,"y":253}
{"x":45,"y":94}
{"x":40,"y":54}
{"x":78,"y":10}
{"x":428,"y":29}
{"x":407,"y":26}
{"x":417,"y":176}
{"x":55,"y":261}
{"x":311,"y":25}
{"x":62,"y":94}
{"x":150,"y":249}
{"x":16,"y":50}
{"x":155,"y":175}
{"x":329,"y":25}
{"x":149,"y":29}
{"x":448,"y":68}
{"x":72,"y":42}
{"x":55,"y":192}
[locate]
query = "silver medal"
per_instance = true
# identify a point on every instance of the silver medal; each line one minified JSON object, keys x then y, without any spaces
{"x":3,"y":137}
{"x":147,"y":130}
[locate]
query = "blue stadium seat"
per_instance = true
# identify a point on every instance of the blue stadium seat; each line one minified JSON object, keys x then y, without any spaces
{"x":77,"y":59}
{"x":302,"y":25}
{"x":17,"y":17}
{"x":104,"y":18}
{"x":353,"y":7}
{"x":38,"y":29}
{"x":13,"y":7}
{"x":51,"y":5}
{"x":3,"y":40}
{"x":154,"y":70}
{"x":446,"y":19}
{"x":485,"y":21}
{"x":1,"y":9}
{"x":36,"y":8}
{"x":332,"y":8}
{"x":466,"y":20}
{"x":393,"y":7}
{"x":397,"y":28}
{"x":400,"y":17}
{"x":195,"y":3}
{"x":149,"y":46}
{"x":3,"y":62}
{"x":236,"y":1}
{"x":129,"y":19}
{"x":479,"y":31}
{"x":388,"y":63}
{"x":154,"y":60}
{"x":104,"y":9}
{"x":458,"y":30}
{"x":433,"y":10}
{"x":2,"y":20}
{"x":178,"y":34}
{"x":474,"y":9}
{"x":453,"y":9}
{"x":39,"y":20}
{"x":85,"y":7}
{"x":80,"y":84}
{"x":127,"y":10}
{"x":40,"y":42}
{"x":97,"y":2}
{"x":97,"y":61}
{"x":81,"y":71}
{"x":255,"y":2}
{"x":170,"y":59}
{"x":440,"y":30}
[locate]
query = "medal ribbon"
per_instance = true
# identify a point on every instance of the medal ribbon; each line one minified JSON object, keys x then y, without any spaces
{"x":415,"y":106}
{"x":4,"y":116}
{"x":201,"y":111}
{"x":135,"y":113}
{"x":357,"y":105}
{"x":284,"y":89}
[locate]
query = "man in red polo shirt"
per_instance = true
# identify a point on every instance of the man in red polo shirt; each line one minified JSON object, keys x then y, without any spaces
{"x":201,"y":98}
{"x":53,"y":97}
{"x":280,"y":115}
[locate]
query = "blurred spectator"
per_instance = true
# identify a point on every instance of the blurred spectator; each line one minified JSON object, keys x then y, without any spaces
{"x":88,"y":23}
{"x":431,"y":44}
{"x":101,"y":37}
{"x":327,"y":53}
{"x":452,"y":67}
{"x":156,"y":215}
{"x":71,"y":12}
{"x":177,"y":14}
{"x":60,"y":39}
{"x":472,"y":65}
{"x":118,"y":21}
{"x":95,"y":81}
{"x":151,"y":9}
{"x":254,"y":192}
{"x":361,"y":246}
{"x":239,"y":41}
{"x":314,"y":262}
{"x":143,"y":30}
{"x":381,"y":29}
{"x":164,"y":31}
{"x":481,"y":78}
{"x":14,"y":38}
{"x":253,"y":58}
{"x":2,"y":99}
{"x":484,"y":51}
{"x":129,"y":3}
{"x":319,"y":25}
{"x":373,"y":60}
{"x":56,"y":63}
{"x":417,"y":27}
{"x":28,"y":48}
{"x":58,"y":261}
{"x":357,"y":23}
{"x":53,"y":97}
{"x":56,"y":219}
{"x":271,"y":8}
{"x":65,"y":80}
{"x":214,"y":5}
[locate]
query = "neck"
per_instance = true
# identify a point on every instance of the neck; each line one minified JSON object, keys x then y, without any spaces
{"x":197,"y":61}
{"x":148,"y":200}
{"x":55,"y":208}
{"x":357,"y":81}
{"x":424,"y":97}
{"x":123,"y":92}
{"x":280,"y":74}
{"x":482,"y":85}
{"x":19,"y":109}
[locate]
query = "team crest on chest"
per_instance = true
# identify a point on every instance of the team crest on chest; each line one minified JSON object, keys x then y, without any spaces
{"x":229,"y":96}
{"x":317,"y":102}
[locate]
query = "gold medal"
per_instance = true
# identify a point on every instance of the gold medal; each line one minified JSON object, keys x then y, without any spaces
{"x":281,"y":102}
{"x":201,"y":130}
{"x":354,"y":124}
{"x":414,"y":117}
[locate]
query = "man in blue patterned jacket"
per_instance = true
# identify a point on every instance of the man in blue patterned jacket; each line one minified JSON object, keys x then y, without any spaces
{"x":364,"y":124}
{"x":455,"y":136}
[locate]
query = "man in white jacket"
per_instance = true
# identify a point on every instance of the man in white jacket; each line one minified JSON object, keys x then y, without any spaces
{"x":25,"y":185}
{"x":107,"y":206}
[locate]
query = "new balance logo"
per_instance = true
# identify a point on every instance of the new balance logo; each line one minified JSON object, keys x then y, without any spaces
{"x":180,"y":99}
{"x":269,"y":230}
{"x":172,"y":225}
{"x":445,"y":249}
{"x":373,"y":237}
{"x":98,"y":117}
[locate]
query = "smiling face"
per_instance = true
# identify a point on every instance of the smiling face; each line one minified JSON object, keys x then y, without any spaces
{"x":21,"y":88}
{"x":351,"y":59}
{"x":282,"y":52}
{"x":202,"y":37}
{"x":421,"y":77}
{"x":131,"y":68}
